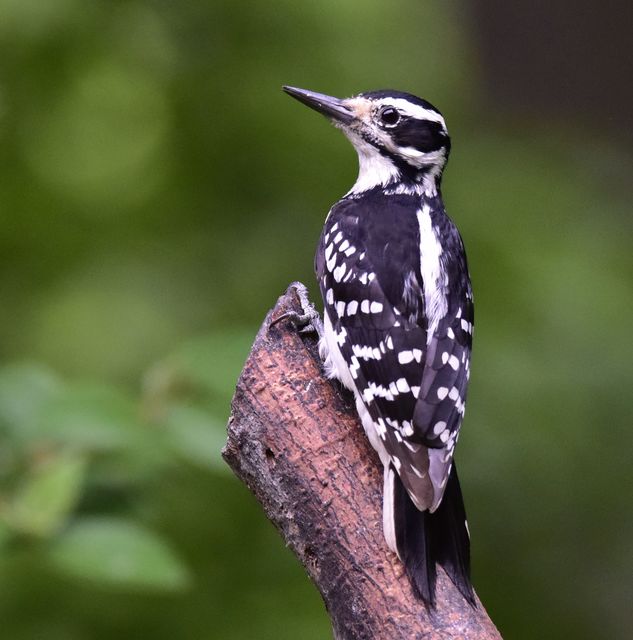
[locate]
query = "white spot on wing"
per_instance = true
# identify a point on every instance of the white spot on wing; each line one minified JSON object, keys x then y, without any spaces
{"x":381,"y":429}
{"x":439,"y":427}
{"x":354,"y":367}
{"x":339,"y":272}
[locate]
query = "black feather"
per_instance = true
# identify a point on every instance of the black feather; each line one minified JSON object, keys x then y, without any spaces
{"x":426,"y":539}
{"x":414,"y":544}
{"x":451,"y":542}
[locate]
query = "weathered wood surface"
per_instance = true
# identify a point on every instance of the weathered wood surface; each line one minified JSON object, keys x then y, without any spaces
{"x":295,"y":440}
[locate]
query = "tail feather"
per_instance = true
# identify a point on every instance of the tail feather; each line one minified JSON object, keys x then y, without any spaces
{"x":424,"y":540}
{"x":451,"y":538}
{"x":414,"y":544}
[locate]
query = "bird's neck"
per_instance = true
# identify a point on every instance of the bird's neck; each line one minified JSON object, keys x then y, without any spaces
{"x":376,"y":170}
{"x":425,"y":187}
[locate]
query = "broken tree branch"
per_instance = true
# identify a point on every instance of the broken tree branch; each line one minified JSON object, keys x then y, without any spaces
{"x":295,"y":440}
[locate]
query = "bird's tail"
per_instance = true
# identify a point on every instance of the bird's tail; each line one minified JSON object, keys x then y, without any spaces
{"x":423,"y":540}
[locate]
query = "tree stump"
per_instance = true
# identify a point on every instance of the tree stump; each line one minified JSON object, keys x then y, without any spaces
{"x":294,"y":438}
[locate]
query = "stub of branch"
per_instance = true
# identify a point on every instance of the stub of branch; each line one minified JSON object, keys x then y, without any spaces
{"x":295,"y":440}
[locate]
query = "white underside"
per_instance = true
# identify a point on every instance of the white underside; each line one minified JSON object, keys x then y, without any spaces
{"x":336,"y":367}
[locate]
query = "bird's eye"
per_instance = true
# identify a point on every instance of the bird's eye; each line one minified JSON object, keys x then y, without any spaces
{"x":389,"y":116}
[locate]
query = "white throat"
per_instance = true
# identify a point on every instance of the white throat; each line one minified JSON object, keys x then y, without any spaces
{"x":374,"y":169}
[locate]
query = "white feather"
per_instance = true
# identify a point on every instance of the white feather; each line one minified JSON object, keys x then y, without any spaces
{"x":374,"y":169}
{"x":433,"y":274}
{"x":388,"y":521}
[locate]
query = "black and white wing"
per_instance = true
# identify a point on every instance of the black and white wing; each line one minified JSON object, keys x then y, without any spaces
{"x":408,"y":352}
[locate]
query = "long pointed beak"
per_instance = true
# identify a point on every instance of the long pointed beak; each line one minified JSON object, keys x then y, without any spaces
{"x":327,"y":105}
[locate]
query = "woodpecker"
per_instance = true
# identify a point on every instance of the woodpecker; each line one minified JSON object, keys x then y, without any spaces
{"x":398,"y":322}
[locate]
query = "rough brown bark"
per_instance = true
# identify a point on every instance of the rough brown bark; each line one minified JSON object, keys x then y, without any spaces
{"x":295,"y":440}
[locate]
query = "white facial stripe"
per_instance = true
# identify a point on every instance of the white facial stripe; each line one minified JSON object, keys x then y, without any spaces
{"x":423,"y":157}
{"x":413,"y":110}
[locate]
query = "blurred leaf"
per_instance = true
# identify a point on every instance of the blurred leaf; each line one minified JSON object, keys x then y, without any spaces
{"x":118,"y":554}
{"x":24,"y":390}
{"x":197,"y":436}
{"x":96,"y":417}
{"x":48,"y":495}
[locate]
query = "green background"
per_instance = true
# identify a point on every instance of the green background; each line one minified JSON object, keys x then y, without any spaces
{"x":158,"y":192}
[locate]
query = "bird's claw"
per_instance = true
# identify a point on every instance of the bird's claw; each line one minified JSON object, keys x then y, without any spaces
{"x":306,"y":321}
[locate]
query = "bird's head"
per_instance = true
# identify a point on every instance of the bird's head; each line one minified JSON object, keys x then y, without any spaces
{"x":401,"y":140}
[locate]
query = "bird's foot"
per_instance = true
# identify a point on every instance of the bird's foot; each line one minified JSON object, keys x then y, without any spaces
{"x":306,"y":321}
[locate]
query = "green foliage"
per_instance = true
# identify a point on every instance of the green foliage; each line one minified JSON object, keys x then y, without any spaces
{"x":47,"y":495}
{"x":118,"y":553}
{"x":155,"y":185}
